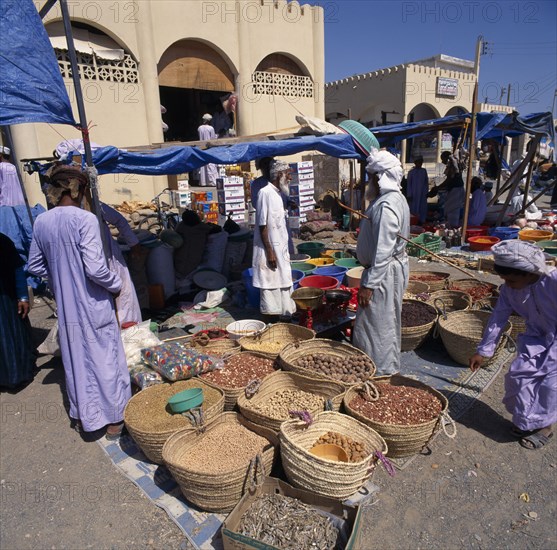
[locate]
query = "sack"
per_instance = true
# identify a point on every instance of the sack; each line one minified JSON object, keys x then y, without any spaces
{"x":135,"y":339}
{"x":51,"y":344}
{"x":143,"y":376}
{"x":175,"y":362}
{"x":230,"y":226}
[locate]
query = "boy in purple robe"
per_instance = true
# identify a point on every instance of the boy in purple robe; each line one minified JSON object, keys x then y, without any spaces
{"x":530,"y":290}
{"x":67,"y":249}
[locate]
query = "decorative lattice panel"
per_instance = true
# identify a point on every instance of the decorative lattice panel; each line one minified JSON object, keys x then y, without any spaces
{"x":287,"y":85}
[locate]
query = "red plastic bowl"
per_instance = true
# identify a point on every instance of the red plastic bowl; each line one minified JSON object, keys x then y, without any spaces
{"x":476,"y":231}
{"x":475,"y":246}
{"x":319,"y":281}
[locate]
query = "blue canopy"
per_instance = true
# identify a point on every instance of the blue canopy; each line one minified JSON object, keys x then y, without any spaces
{"x":31,"y":86}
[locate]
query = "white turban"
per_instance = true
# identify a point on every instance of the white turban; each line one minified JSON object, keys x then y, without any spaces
{"x":520,"y":255}
{"x":207,"y":117}
{"x":387,"y":167}
{"x":5,"y":150}
{"x":278,"y":166}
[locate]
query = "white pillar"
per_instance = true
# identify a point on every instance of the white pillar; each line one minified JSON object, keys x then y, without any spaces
{"x":243,"y":80}
{"x":318,"y":61}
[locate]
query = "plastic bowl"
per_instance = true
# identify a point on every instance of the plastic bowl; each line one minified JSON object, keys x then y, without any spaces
{"x":332,"y":271}
{"x":476,"y":231}
{"x":319,"y":281}
{"x":308,"y":298}
{"x":308,"y":269}
{"x":253,"y":294}
{"x":297,"y":276}
{"x":339,"y":254}
{"x":185,"y":400}
{"x":535,"y":235}
{"x":238,"y":329}
{"x":353,"y":276}
{"x":329,"y":451}
{"x":299,"y":257}
{"x":482,"y":243}
{"x":505,"y":233}
{"x":319,"y":262}
{"x":314,"y":249}
{"x":348,"y":263}
{"x":549,"y":247}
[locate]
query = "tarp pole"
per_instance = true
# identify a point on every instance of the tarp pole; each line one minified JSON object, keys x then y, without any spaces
{"x":8,"y":133}
{"x":535,"y":142}
{"x":92,"y":172}
{"x":46,"y":8}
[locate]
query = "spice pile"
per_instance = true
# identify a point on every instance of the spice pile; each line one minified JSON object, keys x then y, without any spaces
{"x":426,"y":277}
{"x":148,"y":410}
{"x":240,"y":370}
{"x":279,"y":405}
{"x":225,"y":448}
{"x":348,"y":369}
{"x":355,"y":451}
{"x":267,"y":347}
{"x":478,"y":292}
{"x":289,"y":524}
{"x":416,"y":314}
{"x":402,"y":405}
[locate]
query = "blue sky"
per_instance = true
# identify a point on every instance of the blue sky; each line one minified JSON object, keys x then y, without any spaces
{"x":522,"y":41}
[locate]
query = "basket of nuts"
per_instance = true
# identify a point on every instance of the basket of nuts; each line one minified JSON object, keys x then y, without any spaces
{"x":214,"y":468}
{"x":239,"y":371}
{"x":324,"y":358}
{"x":271,"y":340}
{"x":406,"y":412}
{"x":280,"y":393}
{"x":324,"y":476}
{"x":150,"y":421}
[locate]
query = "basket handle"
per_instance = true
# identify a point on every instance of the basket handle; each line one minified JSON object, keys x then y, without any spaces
{"x":446,"y":420}
{"x":197,"y":418}
{"x":370,"y":391}
{"x":387,"y":464}
{"x":329,"y":405}
{"x":252,"y":388}
{"x":435,"y":333}
{"x":256,"y":466}
{"x":304,"y":416}
{"x":510,"y":344}
{"x":443,"y":309}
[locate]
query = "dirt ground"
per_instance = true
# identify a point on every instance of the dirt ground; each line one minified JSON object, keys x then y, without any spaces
{"x":57,"y":490}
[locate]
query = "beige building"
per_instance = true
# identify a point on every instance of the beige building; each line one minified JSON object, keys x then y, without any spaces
{"x":189,"y":56}
{"x":430,"y":88}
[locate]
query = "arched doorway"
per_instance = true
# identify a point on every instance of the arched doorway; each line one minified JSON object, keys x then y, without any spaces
{"x":194,"y":79}
{"x":457,"y":110}
{"x":423,"y":146}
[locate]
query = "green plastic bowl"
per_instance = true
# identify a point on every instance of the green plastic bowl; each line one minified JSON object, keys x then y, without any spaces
{"x":340,"y":255}
{"x":347,"y":262}
{"x":314,"y":249}
{"x":185,"y":400}
{"x":549,"y":247}
{"x":308,"y":269}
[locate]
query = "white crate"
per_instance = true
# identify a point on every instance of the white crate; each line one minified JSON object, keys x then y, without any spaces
{"x":232,"y":194}
{"x":305,"y":166}
{"x":230,"y":181}
{"x":181,"y":199}
{"x":306,"y":200}
{"x":232,"y":207}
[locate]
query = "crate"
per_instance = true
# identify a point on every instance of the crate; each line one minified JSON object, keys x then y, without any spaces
{"x":430,"y":241}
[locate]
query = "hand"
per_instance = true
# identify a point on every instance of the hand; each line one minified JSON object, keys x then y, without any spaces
{"x":364,"y":296}
{"x":476,"y":361}
{"x":271,"y":259}
{"x":23,"y":309}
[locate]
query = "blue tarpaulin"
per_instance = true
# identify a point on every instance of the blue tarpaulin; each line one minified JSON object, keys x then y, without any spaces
{"x":31,"y":86}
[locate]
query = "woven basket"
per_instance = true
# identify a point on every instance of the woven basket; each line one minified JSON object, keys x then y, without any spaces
{"x":446,"y":301}
{"x":216,"y":492}
{"x":326,"y":477}
{"x":291,"y":353}
{"x":486,"y":304}
{"x":462,"y":331}
{"x":402,"y":440}
{"x":329,"y":390}
{"x":218,"y":346}
{"x":441,"y":284}
{"x":151,"y":442}
{"x":518,"y":326}
{"x":417,"y":287}
{"x":285,"y":333}
{"x":231,"y":394}
{"x":465,"y":284}
{"x":413,"y":337}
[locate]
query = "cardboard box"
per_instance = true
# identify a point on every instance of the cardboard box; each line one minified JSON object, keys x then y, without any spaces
{"x":306,"y":200}
{"x":232,"y":208}
{"x":296,"y":179}
{"x":206,"y":207}
{"x":230,"y":181}
{"x":302,"y":189}
{"x":204,"y":196}
{"x":349,"y":518}
{"x":233,"y":194}
{"x":181,"y":199}
{"x":304,"y":166}
{"x":211,"y":217}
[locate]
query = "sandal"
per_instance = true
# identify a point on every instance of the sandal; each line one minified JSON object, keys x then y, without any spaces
{"x":114,"y":431}
{"x":76,"y":425}
{"x":517,"y":432}
{"x":535,"y":440}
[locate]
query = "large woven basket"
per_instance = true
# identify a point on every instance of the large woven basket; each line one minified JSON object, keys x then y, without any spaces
{"x":216,"y":492}
{"x":151,"y":441}
{"x":326,"y":477}
{"x":291,"y":353}
{"x":402,"y":440}
{"x":417,"y":287}
{"x":329,"y":390}
{"x":231,"y":394}
{"x":413,"y":337}
{"x":518,"y":326}
{"x":433,"y":285}
{"x":219,"y":346}
{"x":462,"y":331}
{"x":464,"y":285}
{"x":285,"y":333}
{"x":446,"y":301}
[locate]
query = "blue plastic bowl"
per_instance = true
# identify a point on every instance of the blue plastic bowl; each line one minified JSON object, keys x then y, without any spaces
{"x":253,"y":294}
{"x":335,"y":271}
{"x":504,"y":233}
{"x":297,"y":276}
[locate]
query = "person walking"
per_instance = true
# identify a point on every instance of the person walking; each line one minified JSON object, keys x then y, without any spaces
{"x":417,"y":189}
{"x":207,"y":174}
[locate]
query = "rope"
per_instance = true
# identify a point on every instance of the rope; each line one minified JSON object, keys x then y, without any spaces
{"x":448,"y":421}
{"x":252,"y":388}
{"x":387,"y":464}
{"x":510,"y":344}
{"x":370,"y":391}
{"x":329,"y":405}
{"x":197,"y":418}
{"x":443,"y":309}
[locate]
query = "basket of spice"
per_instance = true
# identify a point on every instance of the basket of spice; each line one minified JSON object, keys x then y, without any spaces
{"x":475,"y":289}
{"x":323,"y":358}
{"x":417,"y":287}
{"x":437,"y":280}
{"x":239,"y":370}
{"x":417,"y":319}
{"x":406,"y":412}
{"x":214,"y":467}
{"x":324,"y":476}
{"x":462,"y":331}
{"x":271,"y":340}
{"x":279,"y":393}
{"x":214,"y":342}
{"x":150,"y":420}
{"x":450,"y":300}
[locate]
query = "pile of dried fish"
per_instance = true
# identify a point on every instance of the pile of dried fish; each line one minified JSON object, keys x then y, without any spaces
{"x":288,"y":523}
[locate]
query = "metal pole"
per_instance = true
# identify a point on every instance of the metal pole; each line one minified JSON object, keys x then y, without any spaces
{"x":96,"y":207}
{"x":534,"y":144}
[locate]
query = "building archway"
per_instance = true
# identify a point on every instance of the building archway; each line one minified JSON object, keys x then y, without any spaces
{"x":457,"y":110}
{"x":282,"y":75}
{"x":424,"y":146}
{"x":194,"y":78}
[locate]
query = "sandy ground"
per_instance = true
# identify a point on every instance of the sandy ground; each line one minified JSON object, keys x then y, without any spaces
{"x":481,"y":490}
